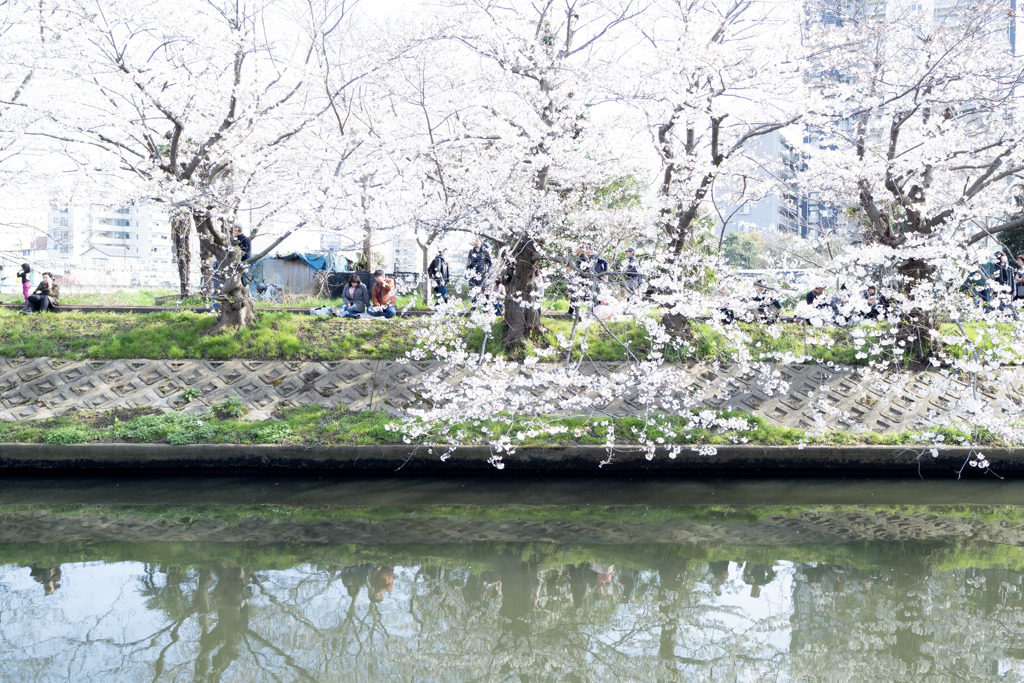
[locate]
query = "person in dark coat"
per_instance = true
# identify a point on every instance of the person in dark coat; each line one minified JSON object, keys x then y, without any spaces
{"x":356,"y":298}
{"x":45,"y":297}
{"x":631,"y":266}
{"x":815,"y":297}
{"x":478,"y":262}
{"x":244,"y":243}
{"x":876,"y":303}
{"x":1004,"y":276}
{"x":1018,"y":289}
{"x":766,"y":306}
{"x":438,"y":272}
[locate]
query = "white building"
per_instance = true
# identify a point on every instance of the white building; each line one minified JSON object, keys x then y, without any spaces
{"x":107,"y":245}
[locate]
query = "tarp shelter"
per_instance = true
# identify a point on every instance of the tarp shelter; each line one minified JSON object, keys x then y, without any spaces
{"x":297,"y":273}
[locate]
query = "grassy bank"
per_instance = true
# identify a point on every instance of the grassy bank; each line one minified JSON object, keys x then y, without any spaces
{"x":315,"y":425}
{"x":286,"y":336}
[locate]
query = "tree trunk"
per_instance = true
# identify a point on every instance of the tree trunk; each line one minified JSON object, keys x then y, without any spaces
{"x":428,"y":284}
{"x":522,"y":309}
{"x":235,"y":304}
{"x":915,"y":325}
{"x":368,"y":247}
{"x":181,"y":224}
{"x":424,"y":265}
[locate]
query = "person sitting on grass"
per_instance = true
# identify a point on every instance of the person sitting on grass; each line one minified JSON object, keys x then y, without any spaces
{"x":45,"y":297}
{"x":875,"y":303}
{"x":356,"y":298}
{"x":816,"y":305}
{"x":384,"y":295}
{"x":766,"y":306}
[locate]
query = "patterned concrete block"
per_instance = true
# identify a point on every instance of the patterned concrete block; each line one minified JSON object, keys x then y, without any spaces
{"x":808,"y":396}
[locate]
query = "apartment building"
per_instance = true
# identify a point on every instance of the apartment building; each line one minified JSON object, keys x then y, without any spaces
{"x":124,"y":245}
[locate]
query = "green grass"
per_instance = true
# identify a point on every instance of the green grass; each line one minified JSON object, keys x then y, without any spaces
{"x":174,"y":335}
{"x":121,"y":297}
{"x":314,"y":425}
{"x":285,"y":336}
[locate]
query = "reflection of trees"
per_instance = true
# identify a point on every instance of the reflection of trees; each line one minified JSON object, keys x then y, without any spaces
{"x":907,"y":622}
{"x":520,"y":619}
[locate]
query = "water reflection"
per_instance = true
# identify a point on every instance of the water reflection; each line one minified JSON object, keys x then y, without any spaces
{"x":671,"y":617}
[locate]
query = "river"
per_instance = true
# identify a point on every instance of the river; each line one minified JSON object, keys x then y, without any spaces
{"x":500,"y":578}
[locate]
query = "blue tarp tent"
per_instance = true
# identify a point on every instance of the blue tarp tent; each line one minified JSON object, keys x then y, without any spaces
{"x":297,"y":272}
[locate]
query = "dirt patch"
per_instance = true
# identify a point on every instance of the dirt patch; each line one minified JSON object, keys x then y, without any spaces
{"x":107,"y":418}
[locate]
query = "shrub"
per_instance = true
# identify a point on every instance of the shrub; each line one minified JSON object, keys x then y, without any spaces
{"x":61,"y":436}
{"x":231,"y":408}
{"x":176,"y":429}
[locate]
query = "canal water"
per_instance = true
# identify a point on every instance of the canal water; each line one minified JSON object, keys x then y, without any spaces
{"x":502,"y":578}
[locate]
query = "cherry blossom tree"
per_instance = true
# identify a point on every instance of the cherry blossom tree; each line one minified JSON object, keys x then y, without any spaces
{"x":921,"y":132}
{"x":207,"y":106}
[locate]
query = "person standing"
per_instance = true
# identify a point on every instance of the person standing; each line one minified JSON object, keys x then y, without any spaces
{"x":438,"y":272}
{"x":244,"y":244}
{"x":498,"y":296}
{"x":46,"y":296}
{"x":1004,"y":276}
{"x":478,"y":262}
{"x":23,"y":276}
{"x":384,"y":296}
{"x":631,"y":266}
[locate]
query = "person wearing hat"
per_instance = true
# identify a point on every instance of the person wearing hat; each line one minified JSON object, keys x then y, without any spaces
{"x":631,"y":266}
{"x":814,"y":297}
{"x":766,"y":306}
{"x":438,"y":272}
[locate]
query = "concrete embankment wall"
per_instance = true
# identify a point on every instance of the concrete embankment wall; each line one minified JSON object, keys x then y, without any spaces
{"x":739,"y":461}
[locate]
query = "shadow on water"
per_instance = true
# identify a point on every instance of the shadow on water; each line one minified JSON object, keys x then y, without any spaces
{"x":502,"y":489}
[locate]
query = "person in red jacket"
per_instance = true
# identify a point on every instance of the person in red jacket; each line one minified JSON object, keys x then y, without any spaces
{"x":383,"y":296}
